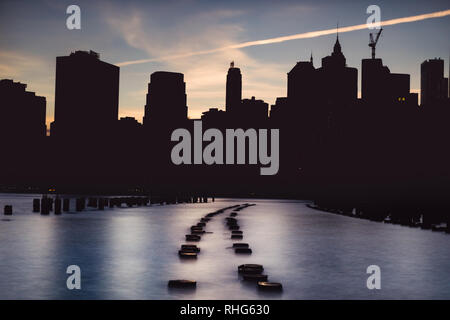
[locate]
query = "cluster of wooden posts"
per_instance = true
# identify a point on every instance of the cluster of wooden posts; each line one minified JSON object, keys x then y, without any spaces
{"x":57,"y":204}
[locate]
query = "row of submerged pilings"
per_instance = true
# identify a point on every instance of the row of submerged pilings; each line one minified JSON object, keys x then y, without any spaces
{"x":58,"y":204}
{"x":412,"y":217}
{"x":251,"y":273}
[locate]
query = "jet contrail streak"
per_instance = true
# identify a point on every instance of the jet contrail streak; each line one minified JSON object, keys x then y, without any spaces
{"x":306,"y":35}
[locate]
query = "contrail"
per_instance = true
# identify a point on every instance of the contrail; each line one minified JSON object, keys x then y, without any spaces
{"x":306,"y":35}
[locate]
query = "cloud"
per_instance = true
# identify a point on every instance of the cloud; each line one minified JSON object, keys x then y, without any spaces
{"x":183,"y":44}
{"x":15,"y":64}
{"x":205,"y":76}
{"x":305,"y":35}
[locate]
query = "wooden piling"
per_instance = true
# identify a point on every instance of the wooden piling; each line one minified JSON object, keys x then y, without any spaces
{"x":36,"y":205}
{"x":45,"y":205}
{"x":79,"y":205}
{"x":101,"y":204}
{"x":58,"y":206}
{"x":8,"y":210}
{"x":66,"y":205}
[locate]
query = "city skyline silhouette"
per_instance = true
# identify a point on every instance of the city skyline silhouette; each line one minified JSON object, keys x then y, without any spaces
{"x":137,"y":31}
{"x":249,"y":150}
{"x":332,"y":84}
{"x":338,"y":149}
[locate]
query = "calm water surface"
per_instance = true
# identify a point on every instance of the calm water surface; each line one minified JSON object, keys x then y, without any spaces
{"x":131,"y":253}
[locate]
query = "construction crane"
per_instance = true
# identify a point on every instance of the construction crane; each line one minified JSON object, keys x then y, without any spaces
{"x":373,"y":43}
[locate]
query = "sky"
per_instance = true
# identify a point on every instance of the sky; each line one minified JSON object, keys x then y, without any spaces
{"x":168,"y":34}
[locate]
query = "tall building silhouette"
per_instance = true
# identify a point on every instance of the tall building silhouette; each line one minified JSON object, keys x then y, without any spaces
{"x":381,"y":86}
{"x":336,"y":59}
{"x":166,"y":98}
{"x":374,"y":79}
{"x":338,"y":83}
{"x":165,"y":110}
{"x":86,"y":96}
{"x":302,"y":85}
{"x":234,"y":89}
{"x":22,"y":135}
{"x":332,"y":83}
{"x":433,"y":85}
{"x":22,"y":113}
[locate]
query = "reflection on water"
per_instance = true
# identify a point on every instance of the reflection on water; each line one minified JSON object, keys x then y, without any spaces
{"x":131,"y":253}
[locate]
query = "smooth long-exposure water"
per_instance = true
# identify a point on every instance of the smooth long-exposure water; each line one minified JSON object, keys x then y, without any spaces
{"x":131,"y":253}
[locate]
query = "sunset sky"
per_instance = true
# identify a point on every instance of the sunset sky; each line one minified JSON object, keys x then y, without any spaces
{"x":33,"y":33}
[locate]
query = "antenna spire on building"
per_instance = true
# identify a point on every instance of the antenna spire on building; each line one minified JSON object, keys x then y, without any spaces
{"x":337,"y":30}
{"x":337,"y":46}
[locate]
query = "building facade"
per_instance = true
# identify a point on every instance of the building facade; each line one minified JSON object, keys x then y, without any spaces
{"x":86,"y":96}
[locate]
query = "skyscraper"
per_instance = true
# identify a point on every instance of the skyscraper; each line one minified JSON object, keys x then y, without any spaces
{"x":22,"y":134}
{"x":380,"y":86}
{"x":86,"y":96}
{"x":433,"y":85}
{"x":338,"y":83}
{"x":166,"y":98}
{"x":374,"y":79}
{"x":336,"y":59}
{"x":332,"y":83}
{"x":234,"y":88}
{"x":22,"y":113}
{"x":302,"y":85}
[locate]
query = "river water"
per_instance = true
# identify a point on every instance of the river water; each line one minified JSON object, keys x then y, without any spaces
{"x":131,"y":253}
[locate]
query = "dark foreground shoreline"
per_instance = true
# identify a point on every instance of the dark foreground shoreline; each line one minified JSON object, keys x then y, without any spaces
{"x":412,"y":221}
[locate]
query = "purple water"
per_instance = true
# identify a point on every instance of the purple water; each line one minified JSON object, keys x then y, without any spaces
{"x":131,"y":253}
